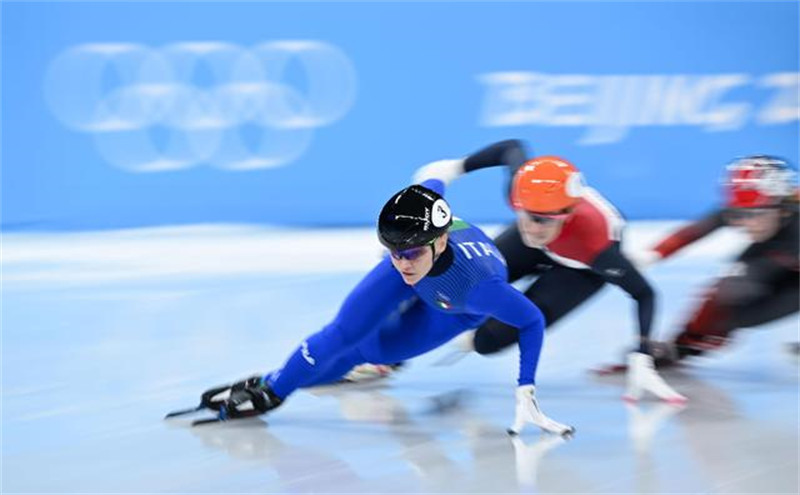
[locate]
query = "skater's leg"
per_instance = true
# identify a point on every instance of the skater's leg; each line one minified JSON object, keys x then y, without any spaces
{"x":335,"y":371}
{"x":730,"y":304}
{"x":414,"y":332}
{"x":364,"y":309}
{"x":556,"y":292}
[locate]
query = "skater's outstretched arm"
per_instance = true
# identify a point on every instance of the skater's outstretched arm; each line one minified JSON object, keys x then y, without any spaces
{"x":502,"y":301}
{"x":681,"y":238}
{"x":510,"y":153}
{"x":617,"y":269}
{"x":497,"y":298}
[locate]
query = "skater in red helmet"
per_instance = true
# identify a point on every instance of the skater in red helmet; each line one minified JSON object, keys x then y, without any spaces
{"x":763,"y":283}
{"x":568,"y":237}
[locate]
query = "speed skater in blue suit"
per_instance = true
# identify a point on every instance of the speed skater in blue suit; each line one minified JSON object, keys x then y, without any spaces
{"x":442,"y":277}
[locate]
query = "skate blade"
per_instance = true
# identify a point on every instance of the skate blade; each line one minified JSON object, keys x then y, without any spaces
{"x":183,"y":412}
{"x":610,"y":369}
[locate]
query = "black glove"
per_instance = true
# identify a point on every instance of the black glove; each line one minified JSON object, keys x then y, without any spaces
{"x":253,"y":381}
{"x":249,"y":398}
{"x":211,"y":398}
{"x":214,"y":398}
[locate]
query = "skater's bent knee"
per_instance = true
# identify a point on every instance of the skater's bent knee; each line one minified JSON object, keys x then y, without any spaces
{"x":489,"y":340}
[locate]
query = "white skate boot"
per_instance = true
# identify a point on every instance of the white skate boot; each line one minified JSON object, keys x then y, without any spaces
{"x":528,"y":411}
{"x":368,"y":372}
{"x":465,"y":342}
{"x":642,"y":377}
{"x":460,"y":347}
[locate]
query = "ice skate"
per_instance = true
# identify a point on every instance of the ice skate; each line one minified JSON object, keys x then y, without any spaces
{"x":642,"y":377}
{"x":528,"y":411}
{"x":369,"y":372}
{"x":460,"y":347}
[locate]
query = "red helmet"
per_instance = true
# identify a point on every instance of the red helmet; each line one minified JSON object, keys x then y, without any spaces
{"x":546,"y":184}
{"x":758,"y":182}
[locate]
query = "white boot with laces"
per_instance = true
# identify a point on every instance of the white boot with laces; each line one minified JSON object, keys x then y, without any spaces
{"x":528,"y":411}
{"x":368,"y":372}
{"x":643,"y":377}
{"x":460,"y":347}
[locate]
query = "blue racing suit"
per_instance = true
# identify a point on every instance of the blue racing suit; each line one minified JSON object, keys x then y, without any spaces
{"x":383,"y":320}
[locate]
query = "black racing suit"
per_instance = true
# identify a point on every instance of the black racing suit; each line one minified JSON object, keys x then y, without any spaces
{"x":763,"y":285}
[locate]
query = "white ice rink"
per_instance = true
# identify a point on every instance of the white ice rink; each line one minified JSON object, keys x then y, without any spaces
{"x":103,"y":333}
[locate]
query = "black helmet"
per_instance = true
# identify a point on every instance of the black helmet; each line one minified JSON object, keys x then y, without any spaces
{"x":413,"y":217}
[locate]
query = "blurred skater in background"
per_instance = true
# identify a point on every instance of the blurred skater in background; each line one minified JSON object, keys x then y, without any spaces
{"x":763,"y":282}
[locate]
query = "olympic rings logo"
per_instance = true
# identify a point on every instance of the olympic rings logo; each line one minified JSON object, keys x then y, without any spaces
{"x":173,"y":107}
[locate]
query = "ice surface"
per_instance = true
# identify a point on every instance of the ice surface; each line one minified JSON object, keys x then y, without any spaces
{"x":103,"y":333}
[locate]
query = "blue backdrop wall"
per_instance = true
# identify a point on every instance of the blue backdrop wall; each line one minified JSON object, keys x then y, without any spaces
{"x":121,"y":114}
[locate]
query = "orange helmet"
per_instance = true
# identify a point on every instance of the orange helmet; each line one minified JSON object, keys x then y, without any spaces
{"x":546,"y":184}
